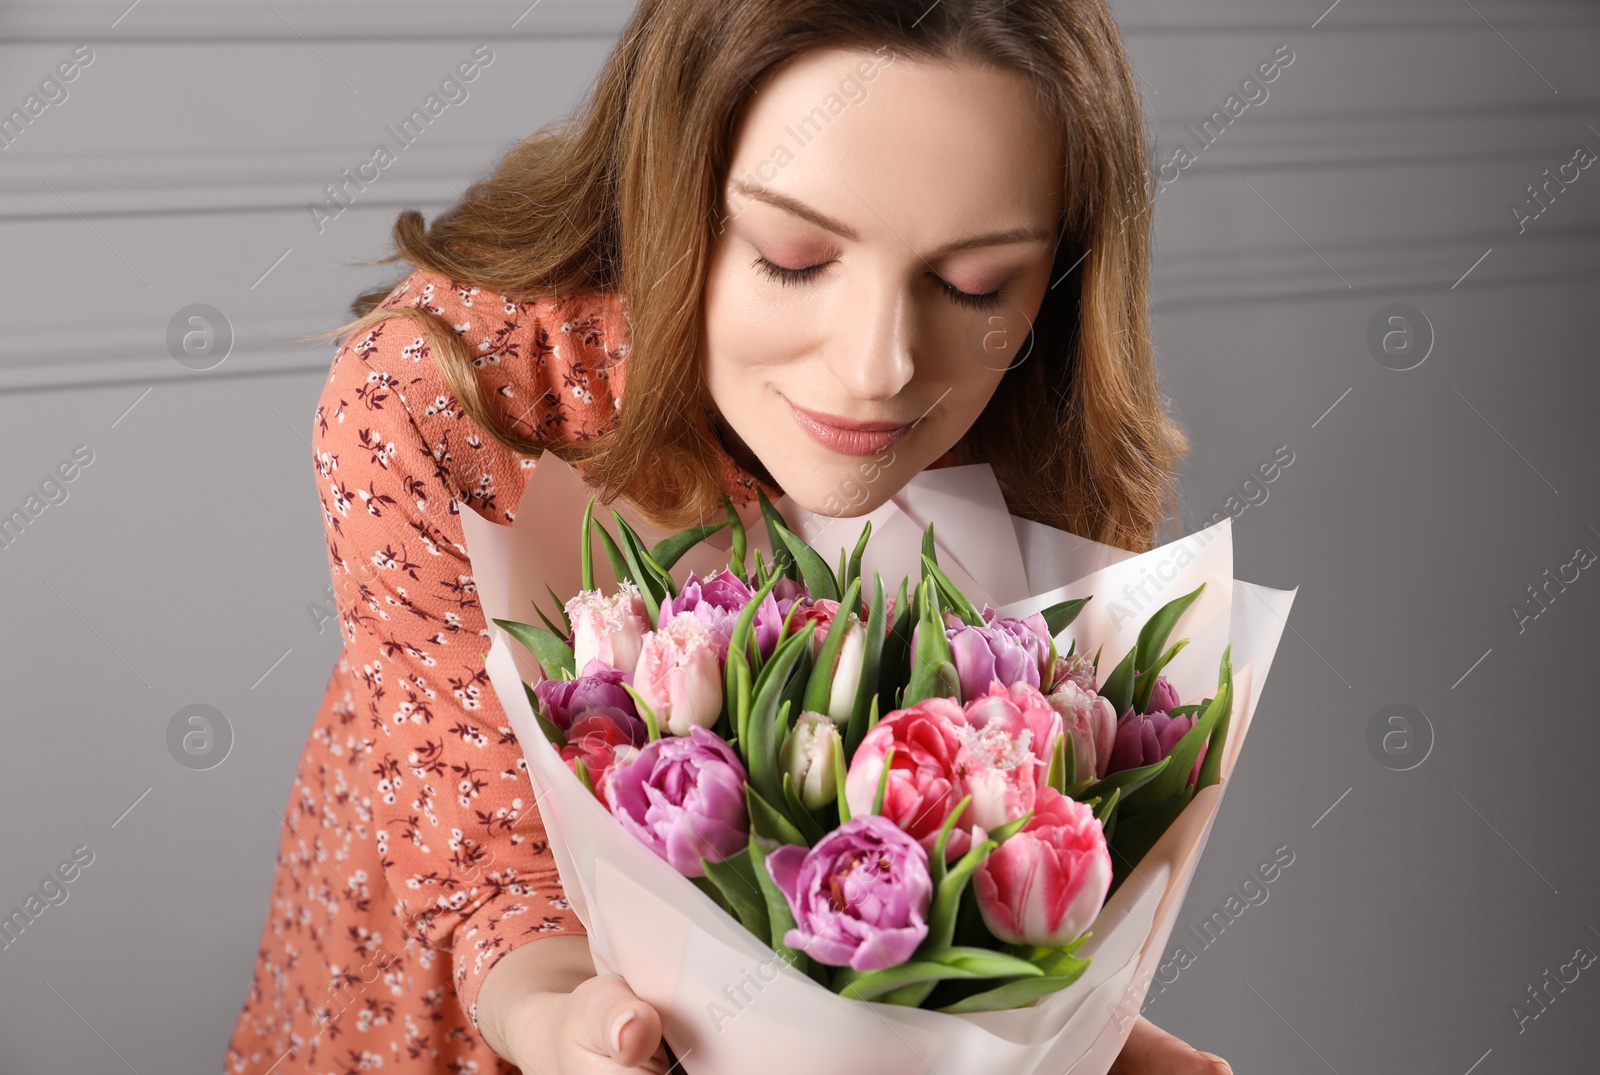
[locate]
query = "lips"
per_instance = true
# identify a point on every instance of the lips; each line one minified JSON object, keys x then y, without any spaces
{"x":845,"y":435}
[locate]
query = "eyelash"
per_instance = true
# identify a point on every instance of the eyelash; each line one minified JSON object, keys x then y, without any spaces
{"x":788,"y":276}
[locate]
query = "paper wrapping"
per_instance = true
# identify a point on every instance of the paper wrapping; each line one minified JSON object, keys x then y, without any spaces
{"x":729,"y":1004}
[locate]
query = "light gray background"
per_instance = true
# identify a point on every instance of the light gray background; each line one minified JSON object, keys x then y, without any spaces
{"x":1420,"y":905}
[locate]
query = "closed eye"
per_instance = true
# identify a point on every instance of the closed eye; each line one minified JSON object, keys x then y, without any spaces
{"x":787,"y":276}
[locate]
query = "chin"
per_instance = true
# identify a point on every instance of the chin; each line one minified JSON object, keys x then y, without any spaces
{"x":847,"y":489}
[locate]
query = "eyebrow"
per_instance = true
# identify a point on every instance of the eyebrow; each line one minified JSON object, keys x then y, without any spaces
{"x":1019,"y":234}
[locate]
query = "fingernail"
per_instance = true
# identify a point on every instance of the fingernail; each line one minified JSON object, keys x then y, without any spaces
{"x":623,"y":1022}
{"x":1223,"y":1067}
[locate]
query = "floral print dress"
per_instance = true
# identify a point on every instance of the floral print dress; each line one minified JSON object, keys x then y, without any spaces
{"x":412,"y":857}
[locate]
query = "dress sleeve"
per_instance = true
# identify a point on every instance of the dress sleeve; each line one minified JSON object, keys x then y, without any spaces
{"x":464,"y":853}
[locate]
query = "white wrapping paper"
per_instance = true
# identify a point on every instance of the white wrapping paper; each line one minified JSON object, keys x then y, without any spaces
{"x":729,"y":1004}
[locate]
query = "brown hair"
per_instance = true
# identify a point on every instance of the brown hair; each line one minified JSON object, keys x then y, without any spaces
{"x":627,"y":195}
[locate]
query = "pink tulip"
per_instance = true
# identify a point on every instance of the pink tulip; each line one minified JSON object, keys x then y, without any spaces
{"x":1079,"y":668}
{"x":610,"y":629}
{"x":1046,"y":884}
{"x":679,"y":674}
{"x":922,"y":779}
{"x":1092,"y":722}
{"x":1020,"y":708}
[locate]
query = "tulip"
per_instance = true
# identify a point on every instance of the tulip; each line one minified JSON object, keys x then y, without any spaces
{"x":1092,"y":722}
{"x":919,"y":793}
{"x":597,"y":690}
{"x":609,"y":629}
{"x":1079,"y":668}
{"x":684,"y":799}
{"x":1146,"y":738}
{"x":859,"y":897}
{"x":1010,"y":650}
{"x":679,"y":675}
{"x":1163,"y":696}
{"x":1028,"y":718}
{"x":845,"y":676}
{"x":1045,"y":885}
{"x":995,"y":767}
{"x":602,"y":744}
{"x":807,"y":756}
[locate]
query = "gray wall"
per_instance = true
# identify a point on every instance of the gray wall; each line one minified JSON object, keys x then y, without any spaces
{"x":1421,"y":902}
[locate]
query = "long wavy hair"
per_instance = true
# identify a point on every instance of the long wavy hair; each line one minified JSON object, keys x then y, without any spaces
{"x":612,"y":197}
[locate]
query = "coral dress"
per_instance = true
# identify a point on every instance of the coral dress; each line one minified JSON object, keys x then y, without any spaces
{"x":412,"y":857}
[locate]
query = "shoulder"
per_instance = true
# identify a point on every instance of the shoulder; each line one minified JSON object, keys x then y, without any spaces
{"x":547,"y":370}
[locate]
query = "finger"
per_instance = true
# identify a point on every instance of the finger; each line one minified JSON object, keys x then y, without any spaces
{"x":1152,"y":1051}
{"x":612,"y":1022}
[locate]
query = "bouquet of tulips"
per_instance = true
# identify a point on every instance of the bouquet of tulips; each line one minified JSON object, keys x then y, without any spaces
{"x":943,"y":822}
{"x":951,"y":852}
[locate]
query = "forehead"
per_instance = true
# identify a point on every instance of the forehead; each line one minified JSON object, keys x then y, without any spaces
{"x":861,"y":135}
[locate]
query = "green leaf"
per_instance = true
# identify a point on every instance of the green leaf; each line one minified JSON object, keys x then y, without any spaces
{"x":800,"y":814}
{"x":780,"y":919}
{"x":1118,"y":687}
{"x":871,"y":658}
{"x":583,"y":774}
{"x":557,"y":737}
{"x":763,"y":731}
{"x":1127,"y":781}
{"x":1137,"y":834}
{"x":646,"y":714}
{"x":883,"y":782}
{"x":782,"y":558}
{"x":1153,"y":635}
{"x":561,"y":607}
{"x":1063,"y":760}
{"x":1001,"y":833}
{"x":928,"y":548}
{"x":982,"y":962}
{"x":933,"y":649}
{"x":958,"y":601}
{"x":653,"y":580}
{"x":554,"y":655}
{"x":814,"y":569}
{"x":947,"y":897}
{"x":853,"y":568}
{"x":1017,"y":994}
{"x":735,"y":878}
{"x":819,"y":688}
{"x":549,"y":623}
{"x":839,"y":579}
{"x":840,"y":766}
{"x":761,"y":570}
{"x":737,"y":680}
{"x":619,"y":563}
{"x":1145,"y":683}
{"x":1104,"y":813}
{"x":876,"y":984}
{"x":941,"y":843}
{"x":1211,"y":768}
{"x":769,"y":821}
{"x":736,"y":551}
{"x":1061,"y":614}
{"x":668,"y":550}
{"x":586,"y":548}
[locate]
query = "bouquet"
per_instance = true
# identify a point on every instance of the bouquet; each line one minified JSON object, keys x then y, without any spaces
{"x":912,"y":802}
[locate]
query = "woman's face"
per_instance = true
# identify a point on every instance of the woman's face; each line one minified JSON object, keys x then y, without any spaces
{"x":890,"y":227}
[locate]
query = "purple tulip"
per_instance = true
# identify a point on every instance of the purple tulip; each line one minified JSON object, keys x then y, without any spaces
{"x":716,"y":600}
{"x":859,"y":897}
{"x":1009,"y":650}
{"x":683,"y":797}
{"x":1144,"y":739}
{"x":1163,"y":696}
{"x":598,"y":690}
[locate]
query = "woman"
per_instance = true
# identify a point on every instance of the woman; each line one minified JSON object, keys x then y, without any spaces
{"x":817,"y":246}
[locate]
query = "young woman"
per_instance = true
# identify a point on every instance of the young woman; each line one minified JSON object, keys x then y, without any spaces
{"x":807,"y":246}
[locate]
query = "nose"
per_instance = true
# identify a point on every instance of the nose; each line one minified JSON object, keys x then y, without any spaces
{"x":871,"y":355}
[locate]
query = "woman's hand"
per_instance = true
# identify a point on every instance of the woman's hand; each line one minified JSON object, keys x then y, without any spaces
{"x":1152,"y":1051}
{"x":543,"y":1008}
